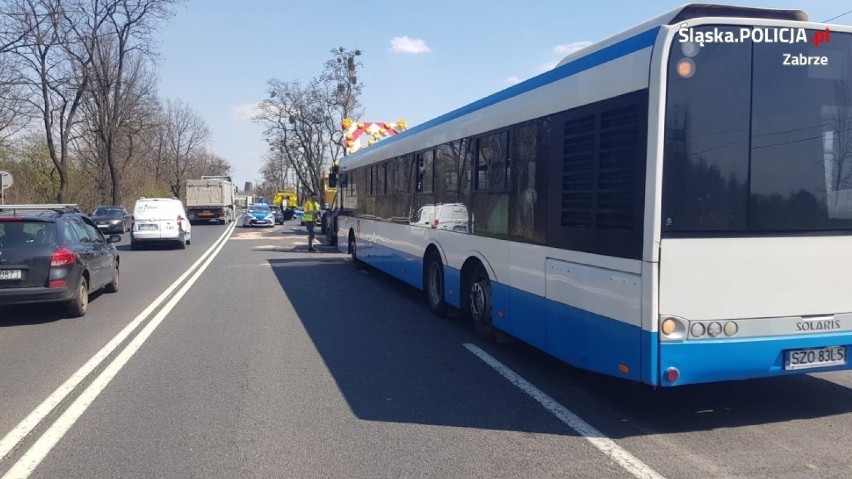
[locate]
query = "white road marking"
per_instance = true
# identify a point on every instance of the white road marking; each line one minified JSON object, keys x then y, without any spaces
{"x":33,"y":457}
{"x":618,"y":454}
{"x":11,"y":440}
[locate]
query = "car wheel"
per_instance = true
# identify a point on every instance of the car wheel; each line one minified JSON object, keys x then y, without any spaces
{"x":79,"y":304}
{"x":479,"y":302}
{"x":112,"y":286}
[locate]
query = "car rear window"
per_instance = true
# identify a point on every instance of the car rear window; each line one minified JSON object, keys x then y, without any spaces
{"x":23,"y":234}
{"x":108,"y":212}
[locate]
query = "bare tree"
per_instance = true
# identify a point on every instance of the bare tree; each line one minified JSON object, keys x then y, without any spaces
{"x":276,"y":171}
{"x":303,"y":119}
{"x":57,"y":50}
{"x":342,"y":89}
{"x":185,"y":138}
{"x":119,"y":81}
{"x":207,"y":162}
{"x":14,"y":107}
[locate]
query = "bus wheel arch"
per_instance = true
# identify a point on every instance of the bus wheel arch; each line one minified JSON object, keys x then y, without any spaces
{"x":434,"y":281}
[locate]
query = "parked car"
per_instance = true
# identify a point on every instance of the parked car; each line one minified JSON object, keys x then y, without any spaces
{"x":54,"y":254}
{"x":258,"y":215}
{"x":160,"y":220}
{"x":112,"y":219}
{"x":278,"y":213}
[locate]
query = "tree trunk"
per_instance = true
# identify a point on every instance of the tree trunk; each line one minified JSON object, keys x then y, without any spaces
{"x":113,"y":173}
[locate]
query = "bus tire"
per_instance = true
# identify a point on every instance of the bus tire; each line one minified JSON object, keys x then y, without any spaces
{"x":479,"y":303}
{"x":353,"y":251}
{"x":433,"y":285}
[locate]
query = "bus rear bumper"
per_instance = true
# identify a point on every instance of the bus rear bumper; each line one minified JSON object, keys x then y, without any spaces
{"x":704,"y":361}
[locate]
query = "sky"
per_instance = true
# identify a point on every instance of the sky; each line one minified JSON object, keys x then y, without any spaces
{"x":420,"y":59}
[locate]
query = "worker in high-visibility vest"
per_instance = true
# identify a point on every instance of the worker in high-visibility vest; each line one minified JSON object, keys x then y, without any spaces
{"x":311,"y":215}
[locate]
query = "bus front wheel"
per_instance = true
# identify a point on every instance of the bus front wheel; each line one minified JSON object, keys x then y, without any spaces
{"x":435,"y":286}
{"x":353,"y":250}
{"x":479,"y":302}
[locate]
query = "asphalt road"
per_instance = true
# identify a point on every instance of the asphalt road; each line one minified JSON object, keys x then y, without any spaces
{"x":282,"y":363}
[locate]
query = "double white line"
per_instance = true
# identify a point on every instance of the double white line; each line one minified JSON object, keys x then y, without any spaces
{"x":33,"y":457}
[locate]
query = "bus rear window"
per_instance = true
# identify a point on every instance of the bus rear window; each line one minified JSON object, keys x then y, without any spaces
{"x":754,"y":143}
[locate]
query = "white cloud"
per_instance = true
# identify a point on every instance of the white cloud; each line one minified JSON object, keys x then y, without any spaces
{"x":565,"y":50}
{"x":245,"y":111}
{"x":408,"y":45}
{"x":513,"y":80}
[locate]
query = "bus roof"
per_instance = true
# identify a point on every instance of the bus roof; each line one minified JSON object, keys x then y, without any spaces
{"x":624,"y":43}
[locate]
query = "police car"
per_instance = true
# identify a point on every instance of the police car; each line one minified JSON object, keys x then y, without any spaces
{"x":258,"y":214}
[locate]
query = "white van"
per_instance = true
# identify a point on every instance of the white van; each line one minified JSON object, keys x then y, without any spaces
{"x":160,"y":220}
{"x":449,"y":216}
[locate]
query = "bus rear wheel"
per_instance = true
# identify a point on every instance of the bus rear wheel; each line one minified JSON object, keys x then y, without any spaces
{"x":434,"y":286}
{"x":479,"y":303}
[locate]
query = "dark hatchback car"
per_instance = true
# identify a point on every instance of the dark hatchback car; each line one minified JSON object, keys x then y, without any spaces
{"x":279,"y":214}
{"x":112,"y":219}
{"x":54,"y":254}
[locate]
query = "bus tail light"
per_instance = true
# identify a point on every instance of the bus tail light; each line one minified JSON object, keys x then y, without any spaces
{"x":713,"y":329}
{"x":672,"y":374}
{"x":673,"y":328}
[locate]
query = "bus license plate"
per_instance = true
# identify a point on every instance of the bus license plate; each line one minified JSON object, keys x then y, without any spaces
{"x":10,"y":274}
{"x":814,"y":358}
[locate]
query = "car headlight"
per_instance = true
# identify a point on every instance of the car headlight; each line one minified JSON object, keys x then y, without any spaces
{"x":115,"y":222}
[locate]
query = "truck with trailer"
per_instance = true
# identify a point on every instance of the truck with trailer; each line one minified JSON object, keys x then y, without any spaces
{"x":210,"y":199}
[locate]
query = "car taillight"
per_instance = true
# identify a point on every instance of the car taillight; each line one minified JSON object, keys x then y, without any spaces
{"x":62,"y":257}
{"x":179,"y":219}
{"x":435,"y":223}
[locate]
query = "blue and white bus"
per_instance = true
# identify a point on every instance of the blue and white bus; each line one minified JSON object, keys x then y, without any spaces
{"x":672,"y":205}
